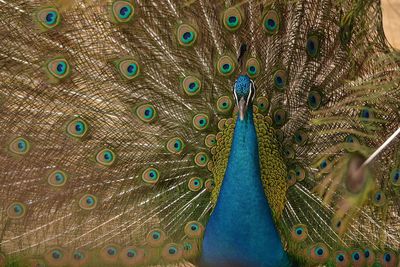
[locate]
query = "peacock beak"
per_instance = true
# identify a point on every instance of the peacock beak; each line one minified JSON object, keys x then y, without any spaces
{"x":242,"y":108}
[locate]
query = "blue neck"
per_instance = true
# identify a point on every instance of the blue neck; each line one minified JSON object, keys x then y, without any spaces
{"x":241,"y":230}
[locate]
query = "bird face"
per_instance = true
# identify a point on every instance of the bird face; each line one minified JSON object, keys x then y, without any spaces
{"x":244,"y":92}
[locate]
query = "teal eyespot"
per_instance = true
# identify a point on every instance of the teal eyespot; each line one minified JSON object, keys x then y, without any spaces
{"x":379,"y":198}
{"x":226,"y":65}
{"x":319,"y":253}
{"x":200,"y":122}
{"x":128,"y":68}
{"x":262,"y":104}
{"x":299,"y":232}
{"x":271,"y":22}
{"x":395,"y":177}
{"x":341,"y":259}
{"x":253,"y":67}
{"x":325,"y":165}
{"x":191,"y":85}
{"x":155,"y":237}
{"x":106,"y":157}
{"x":313,"y":45}
{"x":122,"y":11}
{"x":186,"y":35}
{"x":232,"y":19}
{"x":175,"y":145}
{"x":280,"y":79}
{"x":56,"y":254}
{"x":224,"y":104}
{"x":367,"y":115}
{"x":48,"y":18}
{"x":201,"y":159}
{"x":57,"y":178}
{"x":16,"y":210}
{"x":19,"y":146}
{"x":172,"y":252}
{"x":194,"y":229}
{"x":88,"y":202}
{"x":195,"y":184}
{"x":300,"y":137}
{"x":151,"y":175}
{"x":58,"y":68}
{"x":146,"y":112}
{"x":78,"y":256}
{"x":77,"y":128}
{"x":314,"y":100}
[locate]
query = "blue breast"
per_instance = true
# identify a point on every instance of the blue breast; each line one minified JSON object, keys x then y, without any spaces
{"x":241,"y":230}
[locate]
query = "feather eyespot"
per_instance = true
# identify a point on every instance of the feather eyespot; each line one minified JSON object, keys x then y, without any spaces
{"x":77,"y":128}
{"x":226,"y":65}
{"x":209,"y":185}
{"x":106,"y":157}
{"x":172,"y":252}
{"x":79,"y":257}
{"x":194,"y":229}
{"x":175,"y":145}
{"x":314,"y":100}
{"x":395,"y":177}
{"x":19,"y":146}
{"x":186,"y":35}
{"x":195,"y":184}
{"x":300,"y":137}
{"x":388,"y":259}
{"x":88,"y":202}
{"x":191,"y":85}
{"x":58,"y":68}
{"x":224,"y":104}
{"x":55,"y":256}
{"x":232,"y":19}
{"x":319,"y":253}
{"x":16,"y":210}
{"x":299,"y":232}
{"x":262,"y":104}
{"x":313,"y":45}
{"x":378,"y":198}
{"x":156,"y":237}
{"x":57,"y":178}
{"x":200,"y":122}
{"x":110,"y":253}
{"x":341,"y":259}
{"x":122,"y":11}
{"x":48,"y":18}
{"x":357,"y":258}
{"x":271,"y":22}
{"x":291,"y":178}
{"x":128,"y":68}
{"x":146,"y":112}
{"x":132,"y":255}
{"x":150,"y":176}
{"x":253,"y":67}
{"x":210,"y":140}
{"x":279,"y":117}
{"x":280,"y":79}
{"x":367,"y":115}
{"x":201,"y":159}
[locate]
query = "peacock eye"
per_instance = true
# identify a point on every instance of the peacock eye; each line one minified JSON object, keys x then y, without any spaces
{"x":262,"y":104}
{"x":341,"y":258}
{"x":194,"y":229}
{"x":224,"y":104}
{"x":271,"y":22}
{"x":253,"y":67}
{"x":300,"y":137}
{"x":299,"y":232}
{"x":314,"y":100}
{"x":210,"y":140}
{"x":313,"y":45}
{"x":395,"y":177}
{"x":16,"y":210}
{"x":191,"y":85}
{"x":146,"y":112}
{"x":106,"y":157}
{"x":129,"y":69}
{"x":77,"y":128}
{"x":232,"y":19}
{"x":186,"y":34}
{"x":280,"y":77}
{"x":78,"y":255}
{"x":19,"y":146}
{"x":319,"y":253}
{"x":195,"y":184}
{"x":200,"y":122}
{"x":88,"y":202}
{"x":175,"y":145}
{"x":379,"y":198}
{"x":279,"y":117}
{"x":58,"y":68}
{"x":156,"y":237}
{"x":122,"y":11}
{"x":226,"y":65}
{"x":201,"y":159}
{"x":151,"y":175}
{"x":57,"y":178}
{"x":48,"y":18}
{"x":366,"y":115}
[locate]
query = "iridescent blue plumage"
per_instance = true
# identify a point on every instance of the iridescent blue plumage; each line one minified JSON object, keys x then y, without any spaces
{"x":241,"y":230}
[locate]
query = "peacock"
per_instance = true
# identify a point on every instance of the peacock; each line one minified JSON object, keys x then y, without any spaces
{"x":198,"y":133}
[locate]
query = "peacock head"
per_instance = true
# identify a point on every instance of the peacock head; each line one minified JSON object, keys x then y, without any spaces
{"x":244,"y":92}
